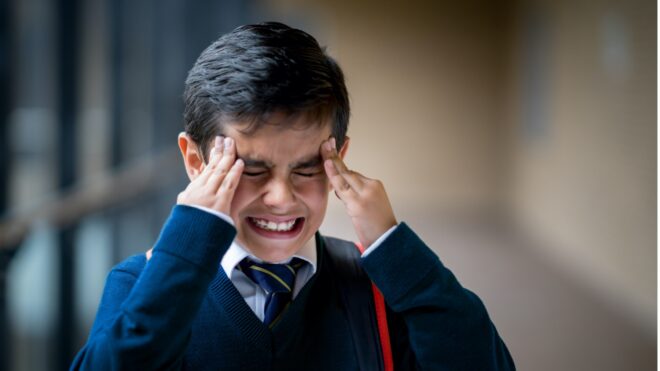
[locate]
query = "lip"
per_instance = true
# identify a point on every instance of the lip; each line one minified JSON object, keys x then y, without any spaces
{"x":275,"y":218}
{"x":278,"y":235}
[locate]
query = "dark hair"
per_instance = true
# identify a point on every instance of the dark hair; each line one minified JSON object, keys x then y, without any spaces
{"x":256,"y":70}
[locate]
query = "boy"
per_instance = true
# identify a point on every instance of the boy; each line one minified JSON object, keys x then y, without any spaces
{"x":240,"y":278}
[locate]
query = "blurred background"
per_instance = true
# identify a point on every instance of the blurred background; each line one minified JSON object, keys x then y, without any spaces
{"x":517,"y":137}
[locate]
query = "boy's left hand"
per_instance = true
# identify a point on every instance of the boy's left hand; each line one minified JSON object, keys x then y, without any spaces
{"x":365,"y":199}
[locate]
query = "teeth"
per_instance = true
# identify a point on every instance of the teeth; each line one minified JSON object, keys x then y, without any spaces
{"x":272,"y":226}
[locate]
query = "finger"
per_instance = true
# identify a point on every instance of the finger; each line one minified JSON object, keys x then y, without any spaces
{"x":224,"y":165}
{"x":326,"y":149}
{"x":353,"y":179}
{"x":231,"y":180}
{"x":226,"y":191}
{"x":342,"y":188}
{"x":331,"y":153}
{"x":214,"y":159}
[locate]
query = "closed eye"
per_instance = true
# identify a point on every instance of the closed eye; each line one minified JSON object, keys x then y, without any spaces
{"x":308,"y":174}
{"x":253,"y":173}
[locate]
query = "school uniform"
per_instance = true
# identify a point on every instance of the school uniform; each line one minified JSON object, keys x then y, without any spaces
{"x":183,"y":309}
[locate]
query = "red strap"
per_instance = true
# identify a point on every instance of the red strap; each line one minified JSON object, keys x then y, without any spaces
{"x":381,"y":318}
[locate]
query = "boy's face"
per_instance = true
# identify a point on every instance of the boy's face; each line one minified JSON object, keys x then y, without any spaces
{"x":282,"y":196}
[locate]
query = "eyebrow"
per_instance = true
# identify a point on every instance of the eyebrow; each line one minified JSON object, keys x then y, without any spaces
{"x":312,"y":161}
{"x":305,"y":163}
{"x":253,"y":162}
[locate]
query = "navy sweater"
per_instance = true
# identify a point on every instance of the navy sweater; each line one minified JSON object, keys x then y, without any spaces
{"x":180,"y":311}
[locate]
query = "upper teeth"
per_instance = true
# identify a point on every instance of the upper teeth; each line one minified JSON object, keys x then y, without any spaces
{"x":272,"y":226}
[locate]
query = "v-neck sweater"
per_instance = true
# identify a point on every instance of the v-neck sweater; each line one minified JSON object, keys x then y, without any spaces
{"x":182,"y":303}
{"x":180,"y":311}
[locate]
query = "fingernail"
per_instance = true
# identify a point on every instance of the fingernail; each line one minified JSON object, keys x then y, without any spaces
{"x":326,"y":146}
{"x":218,"y":141}
{"x":228,"y":142}
{"x":334,"y":142}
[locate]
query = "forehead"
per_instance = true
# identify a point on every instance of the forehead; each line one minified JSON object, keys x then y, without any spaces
{"x":279,"y":141}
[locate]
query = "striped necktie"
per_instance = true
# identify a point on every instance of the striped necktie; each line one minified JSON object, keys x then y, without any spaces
{"x":277,"y":280}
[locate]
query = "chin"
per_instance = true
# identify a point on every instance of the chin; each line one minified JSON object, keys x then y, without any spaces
{"x":275,"y":253}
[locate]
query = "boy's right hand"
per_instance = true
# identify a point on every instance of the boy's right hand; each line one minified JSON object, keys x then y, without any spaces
{"x":214,"y":187}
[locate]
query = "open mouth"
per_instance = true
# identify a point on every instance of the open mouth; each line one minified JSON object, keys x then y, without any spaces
{"x":273,"y":229}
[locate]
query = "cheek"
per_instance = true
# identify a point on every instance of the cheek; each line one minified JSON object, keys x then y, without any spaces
{"x":314,"y":193}
{"x":243,"y":196}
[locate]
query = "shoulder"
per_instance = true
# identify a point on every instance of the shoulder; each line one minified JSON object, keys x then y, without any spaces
{"x":118,"y":285}
{"x":339,"y":250}
{"x":129,"y":267}
{"x":343,"y":256}
{"x":340,"y":245}
{"x":122,"y":278}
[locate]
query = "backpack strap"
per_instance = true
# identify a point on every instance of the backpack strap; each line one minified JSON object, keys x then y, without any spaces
{"x":381,"y":317}
{"x":366,"y":313}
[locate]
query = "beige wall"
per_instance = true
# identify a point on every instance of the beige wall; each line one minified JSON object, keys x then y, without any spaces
{"x":438,"y":95}
{"x":586,"y":188}
{"x":423,"y":80}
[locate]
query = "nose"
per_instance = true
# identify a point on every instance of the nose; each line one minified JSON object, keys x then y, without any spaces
{"x":279,"y":195}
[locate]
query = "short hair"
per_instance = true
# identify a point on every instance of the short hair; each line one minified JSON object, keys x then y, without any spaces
{"x":259,"y":69}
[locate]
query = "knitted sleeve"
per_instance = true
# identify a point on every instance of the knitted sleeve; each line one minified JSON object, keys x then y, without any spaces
{"x":448,"y":325}
{"x":147,"y":309}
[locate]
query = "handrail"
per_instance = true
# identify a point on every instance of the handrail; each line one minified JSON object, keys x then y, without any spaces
{"x":93,"y":194}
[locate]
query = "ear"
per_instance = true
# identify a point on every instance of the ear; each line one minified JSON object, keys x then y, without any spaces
{"x":344,"y":148}
{"x":192,"y":157}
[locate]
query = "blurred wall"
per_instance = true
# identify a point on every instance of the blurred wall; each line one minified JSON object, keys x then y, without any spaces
{"x":538,"y":111}
{"x":93,"y":91}
{"x":583,"y":116}
{"x":424,"y":80}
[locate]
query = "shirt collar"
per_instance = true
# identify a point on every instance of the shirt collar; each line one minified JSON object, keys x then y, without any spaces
{"x":237,"y":253}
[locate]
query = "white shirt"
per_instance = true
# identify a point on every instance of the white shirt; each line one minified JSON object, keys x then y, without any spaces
{"x":254,"y":295}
